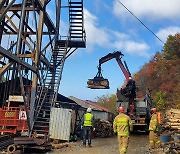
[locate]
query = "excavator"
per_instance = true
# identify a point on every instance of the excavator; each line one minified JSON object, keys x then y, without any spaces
{"x":137,"y":108}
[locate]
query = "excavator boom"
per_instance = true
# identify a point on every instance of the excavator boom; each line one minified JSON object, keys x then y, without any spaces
{"x":98,"y":82}
{"x":117,"y":55}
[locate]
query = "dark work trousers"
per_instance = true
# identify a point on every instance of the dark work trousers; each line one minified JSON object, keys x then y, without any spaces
{"x":87,"y":134}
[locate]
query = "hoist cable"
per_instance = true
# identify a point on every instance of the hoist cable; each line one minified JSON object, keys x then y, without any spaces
{"x":140,"y":21}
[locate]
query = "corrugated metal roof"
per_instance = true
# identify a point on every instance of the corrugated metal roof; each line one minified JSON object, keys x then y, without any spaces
{"x":84,"y":103}
{"x":97,"y":106}
{"x":65,"y":102}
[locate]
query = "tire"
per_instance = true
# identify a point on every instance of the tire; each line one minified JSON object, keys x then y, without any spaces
{"x":11,"y":149}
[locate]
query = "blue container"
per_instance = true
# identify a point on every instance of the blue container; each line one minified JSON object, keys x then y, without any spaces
{"x":165,"y":138}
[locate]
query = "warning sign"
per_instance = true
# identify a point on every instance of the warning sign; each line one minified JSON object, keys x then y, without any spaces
{"x":22,"y":115}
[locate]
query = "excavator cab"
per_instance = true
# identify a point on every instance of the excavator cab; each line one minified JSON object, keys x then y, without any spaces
{"x":98,"y":82}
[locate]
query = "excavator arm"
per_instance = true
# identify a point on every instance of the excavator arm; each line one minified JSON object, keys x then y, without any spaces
{"x":117,"y":55}
{"x":98,"y":82}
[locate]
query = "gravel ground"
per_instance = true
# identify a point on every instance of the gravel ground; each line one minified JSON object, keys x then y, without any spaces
{"x":138,"y":144}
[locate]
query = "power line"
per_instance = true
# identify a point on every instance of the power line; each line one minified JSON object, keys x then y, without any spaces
{"x":140,"y":21}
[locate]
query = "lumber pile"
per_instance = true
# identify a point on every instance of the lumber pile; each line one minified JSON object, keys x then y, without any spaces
{"x":173,"y":119}
{"x":103,"y":128}
{"x":171,"y":126}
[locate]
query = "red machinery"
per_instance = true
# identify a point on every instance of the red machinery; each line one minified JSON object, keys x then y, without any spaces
{"x":137,"y":109}
{"x":13,"y":116}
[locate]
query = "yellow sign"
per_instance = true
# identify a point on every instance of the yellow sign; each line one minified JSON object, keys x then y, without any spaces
{"x":9,"y":114}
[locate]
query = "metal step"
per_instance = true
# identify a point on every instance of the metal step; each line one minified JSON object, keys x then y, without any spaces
{"x":75,"y":22}
{"x":75,"y":6}
{"x":76,"y":26}
{"x":75,"y":2}
{"x":72,"y":14}
{"x":80,"y":30}
{"x":73,"y":10}
{"x":74,"y":18}
{"x":76,"y":36}
{"x":41,"y":131}
{"x":40,"y":122}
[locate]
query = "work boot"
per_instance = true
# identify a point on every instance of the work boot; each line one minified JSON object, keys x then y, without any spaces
{"x":84,"y":145}
{"x":90,"y":145}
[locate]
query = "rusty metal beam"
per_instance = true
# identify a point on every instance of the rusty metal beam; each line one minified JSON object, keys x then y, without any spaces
{"x":45,"y":61}
{"x":24,"y":39}
{"x":48,"y":44}
{"x":10,"y":28}
{"x":14,"y":58}
{"x":36,"y":63}
{"x":2,"y":2}
{"x":27,"y":33}
{"x":47,"y":19}
{"x":6,"y":10}
{"x":24,"y":22}
{"x":58,"y":11}
{"x":19,"y":9}
{"x":26,"y":55}
{"x":24,"y":96}
{"x":20,"y":31}
{"x":5,"y":68}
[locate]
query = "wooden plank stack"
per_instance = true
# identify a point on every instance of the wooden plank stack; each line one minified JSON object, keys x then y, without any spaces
{"x":171,"y":126}
{"x":103,"y":128}
{"x":173,"y":119}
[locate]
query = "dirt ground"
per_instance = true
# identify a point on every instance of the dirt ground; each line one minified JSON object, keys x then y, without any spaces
{"x":138,"y":144}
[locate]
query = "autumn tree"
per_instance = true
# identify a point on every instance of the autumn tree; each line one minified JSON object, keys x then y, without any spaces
{"x":162,"y":73}
{"x":172,"y":47}
{"x":108,"y":101}
{"x":159,"y":100}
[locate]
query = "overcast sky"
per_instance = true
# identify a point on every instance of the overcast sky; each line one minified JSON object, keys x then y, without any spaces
{"x":110,"y":27}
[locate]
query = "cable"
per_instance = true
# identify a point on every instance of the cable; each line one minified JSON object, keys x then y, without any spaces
{"x":140,"y":22}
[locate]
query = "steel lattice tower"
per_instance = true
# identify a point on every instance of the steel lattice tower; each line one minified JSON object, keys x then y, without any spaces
{"x":33,"y":52}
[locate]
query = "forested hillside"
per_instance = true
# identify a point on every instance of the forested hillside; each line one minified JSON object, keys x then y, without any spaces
{"x":161,"y":75}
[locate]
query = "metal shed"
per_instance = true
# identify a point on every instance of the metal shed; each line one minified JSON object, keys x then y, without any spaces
{"x":65,"y":128}
{"x":60,"y":123}
{"x":98,"y":111}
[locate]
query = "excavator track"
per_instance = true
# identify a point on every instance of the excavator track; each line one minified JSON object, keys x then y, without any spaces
{"x":5,"y":141}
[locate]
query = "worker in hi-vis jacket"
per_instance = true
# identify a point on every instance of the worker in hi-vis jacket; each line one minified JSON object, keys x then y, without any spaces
{"x":154,"y":141}
{"x":88,"y":123}
{"x":122,"y":125}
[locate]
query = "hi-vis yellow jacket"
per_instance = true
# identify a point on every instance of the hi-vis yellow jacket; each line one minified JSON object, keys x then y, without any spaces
{"x":88,"y":119}
{"x":154,"y":125}
{"x":122,"y":124}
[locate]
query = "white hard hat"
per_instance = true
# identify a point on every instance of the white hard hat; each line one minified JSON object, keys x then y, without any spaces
{"x":130,"y":77}
{"x":89,"y":109}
